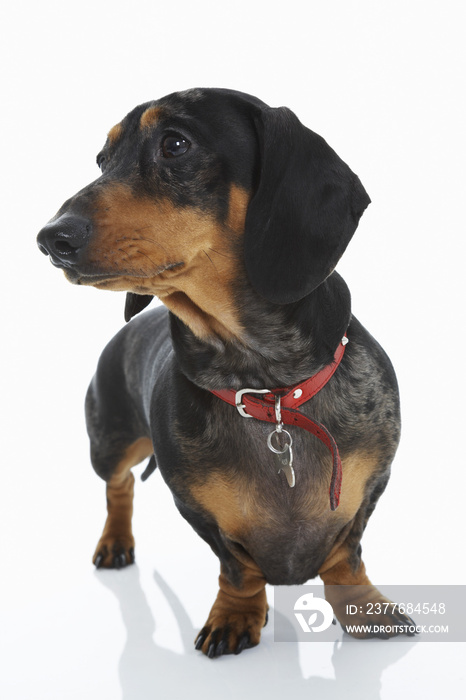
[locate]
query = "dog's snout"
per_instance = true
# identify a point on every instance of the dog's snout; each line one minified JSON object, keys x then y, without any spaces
{"x":65,"y":239}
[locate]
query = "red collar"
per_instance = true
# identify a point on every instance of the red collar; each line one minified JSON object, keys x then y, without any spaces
{"x":291,"y":398}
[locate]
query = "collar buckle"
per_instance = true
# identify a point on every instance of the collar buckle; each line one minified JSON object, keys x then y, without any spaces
{"x":239,"y":396}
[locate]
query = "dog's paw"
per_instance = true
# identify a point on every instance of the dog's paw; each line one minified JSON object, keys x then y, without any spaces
{"x":230,"y":631}
{"x":114,"y":553}
{"x":384,"y":625}
{"x":230,"y":635}
{"x":372,"y":615}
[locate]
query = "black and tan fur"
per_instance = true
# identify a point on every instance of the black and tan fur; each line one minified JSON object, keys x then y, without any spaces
{"x":234,"y":215}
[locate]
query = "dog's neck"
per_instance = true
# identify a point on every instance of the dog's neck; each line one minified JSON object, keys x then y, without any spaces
{"x":281,"y":345}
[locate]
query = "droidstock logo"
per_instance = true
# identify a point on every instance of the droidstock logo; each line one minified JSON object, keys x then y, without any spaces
{"x":303,"y":613}
{"x":314,"y":608}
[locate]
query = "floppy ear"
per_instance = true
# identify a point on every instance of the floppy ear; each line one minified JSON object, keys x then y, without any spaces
{"x":305,"y":210}
{"x":136,"y":303}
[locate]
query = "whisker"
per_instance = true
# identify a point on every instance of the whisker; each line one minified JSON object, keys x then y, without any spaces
{"x":211,"y":261}
{"x":140,"y":252}
{"x":149,"y":240}
{"x":141,"y":238}
{"x":222,"y":254}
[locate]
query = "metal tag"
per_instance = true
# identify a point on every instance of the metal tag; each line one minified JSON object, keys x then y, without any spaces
{"x":283,"y":455}
{"x":284,"y":462}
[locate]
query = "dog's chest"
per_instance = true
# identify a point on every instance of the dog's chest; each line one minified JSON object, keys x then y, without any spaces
{"x":235,"y":478}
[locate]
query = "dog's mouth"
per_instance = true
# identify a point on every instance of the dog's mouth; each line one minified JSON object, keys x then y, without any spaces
{"x":124,"y":280}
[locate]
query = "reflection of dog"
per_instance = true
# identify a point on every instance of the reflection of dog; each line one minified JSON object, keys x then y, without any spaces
{"x":235,"y":215}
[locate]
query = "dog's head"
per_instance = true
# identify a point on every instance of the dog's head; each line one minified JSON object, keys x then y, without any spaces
{"x":199,"y":189}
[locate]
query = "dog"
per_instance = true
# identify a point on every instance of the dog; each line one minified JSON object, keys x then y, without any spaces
{"x":272,"y":414}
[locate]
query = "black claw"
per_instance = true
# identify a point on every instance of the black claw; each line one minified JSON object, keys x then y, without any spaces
{"x":222,"y":647}
{"x":383,"y":635}
{"x":119,"y":561}
{"x":132,"y":558}
{"x":212,"y":650}
{"x":244,"y":642}
{"x":98,"y":561}
{"x":406,"y":621}
{"x":200,"y":639}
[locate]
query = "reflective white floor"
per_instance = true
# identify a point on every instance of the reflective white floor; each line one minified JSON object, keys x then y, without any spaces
{"x":69,"y":632}
{"x":129,"y":635}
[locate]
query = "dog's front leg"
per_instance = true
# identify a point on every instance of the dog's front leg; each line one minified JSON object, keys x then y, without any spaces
{"x":237,"y":616}
{"x":359,"y":606}
{"x":115,"y":548}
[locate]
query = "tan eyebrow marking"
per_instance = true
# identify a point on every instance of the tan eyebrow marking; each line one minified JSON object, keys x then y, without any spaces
{"x":149,"y":117}
{"x":114,"y":133}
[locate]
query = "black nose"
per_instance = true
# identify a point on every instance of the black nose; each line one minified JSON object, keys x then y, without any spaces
{"x":65,"y":239}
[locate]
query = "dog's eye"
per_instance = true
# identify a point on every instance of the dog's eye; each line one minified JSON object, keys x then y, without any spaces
{"x":174,"y":146}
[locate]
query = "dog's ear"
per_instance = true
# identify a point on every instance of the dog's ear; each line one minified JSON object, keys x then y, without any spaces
{"x":136,"y":303}
{"x":304,"y":211}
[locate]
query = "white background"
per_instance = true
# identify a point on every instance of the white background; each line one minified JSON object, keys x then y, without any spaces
{"x":383,"y":82}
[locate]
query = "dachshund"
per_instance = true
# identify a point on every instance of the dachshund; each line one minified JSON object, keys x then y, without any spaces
{"x":272,"y":414}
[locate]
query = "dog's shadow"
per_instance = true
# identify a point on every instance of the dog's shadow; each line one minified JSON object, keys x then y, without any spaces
{"x":272,"y":669}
